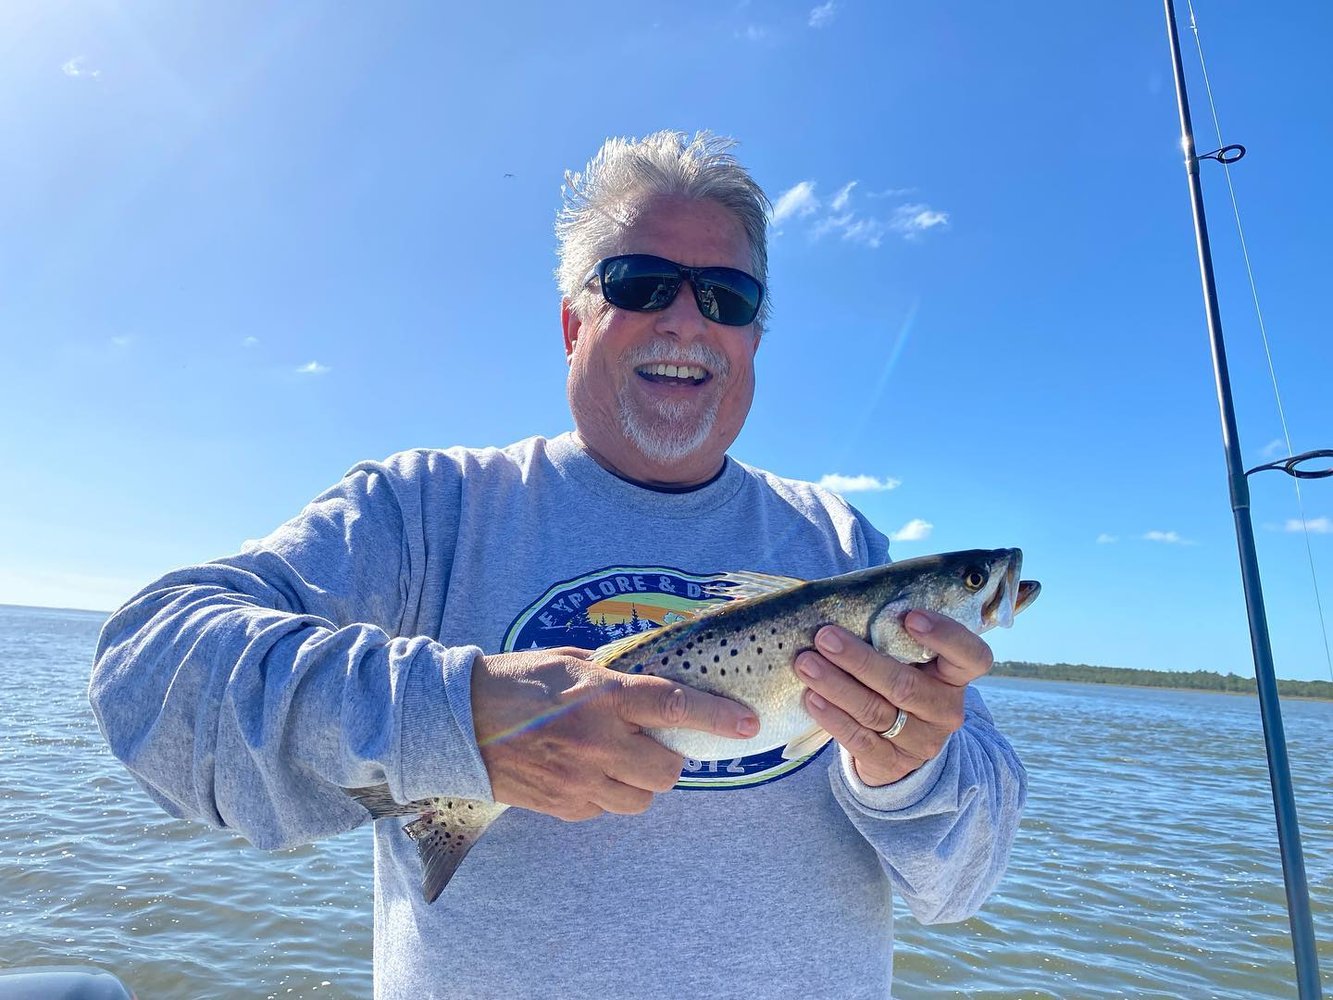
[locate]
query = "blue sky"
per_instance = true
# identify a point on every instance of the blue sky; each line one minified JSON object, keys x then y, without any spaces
{"x":244,"y":246}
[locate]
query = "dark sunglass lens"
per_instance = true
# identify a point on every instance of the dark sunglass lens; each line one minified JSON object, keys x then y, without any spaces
{"x":729,"y":296}
{"x":640,"y":282}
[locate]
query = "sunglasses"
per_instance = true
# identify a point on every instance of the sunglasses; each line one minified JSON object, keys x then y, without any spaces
{"x":641,"y":282}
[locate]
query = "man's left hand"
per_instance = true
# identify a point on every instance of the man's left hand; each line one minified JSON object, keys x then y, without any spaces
{"x":855,"y":693}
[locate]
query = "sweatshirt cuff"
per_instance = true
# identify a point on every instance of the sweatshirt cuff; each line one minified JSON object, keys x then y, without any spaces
{"x":438,"y":753}
{"x":908,"y":797}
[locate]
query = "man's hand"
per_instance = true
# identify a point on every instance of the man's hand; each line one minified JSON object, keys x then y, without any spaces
{"x":856,"y":691}
{"x":562,"y":735}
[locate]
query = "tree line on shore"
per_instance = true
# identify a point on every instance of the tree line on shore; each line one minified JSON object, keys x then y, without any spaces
{"x":1203,"y":680}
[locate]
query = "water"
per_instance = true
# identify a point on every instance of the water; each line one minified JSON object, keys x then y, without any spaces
{"x":1147,"y":863}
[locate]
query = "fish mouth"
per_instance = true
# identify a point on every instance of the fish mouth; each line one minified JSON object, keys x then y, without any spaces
{"x":1008,"y":598}
{"x":1027,"y":593}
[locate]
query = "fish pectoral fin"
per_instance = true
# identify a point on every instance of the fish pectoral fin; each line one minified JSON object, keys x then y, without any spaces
{"x":744,"y":585}
{"x":810,"y":741}
{"x":444,"y":836}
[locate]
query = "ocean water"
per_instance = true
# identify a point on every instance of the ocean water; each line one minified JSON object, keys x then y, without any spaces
{"x":1146,"y":866}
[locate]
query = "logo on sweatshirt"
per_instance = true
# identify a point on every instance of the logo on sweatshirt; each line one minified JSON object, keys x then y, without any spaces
{"x":615,"y":603}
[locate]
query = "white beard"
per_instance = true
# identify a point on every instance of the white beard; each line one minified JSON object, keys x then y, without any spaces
{"x":666,"y":432}
{"x":667,"y":435}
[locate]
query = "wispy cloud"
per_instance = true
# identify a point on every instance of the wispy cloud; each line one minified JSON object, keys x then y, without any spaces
{"x":839,"y":216}
{"x":249,"y":341}
{"x":122,"y":342}
{"x":797,"y":200}
{"x":1314,"y":525}
{"x":753,"y":33}
{"x":313,"y":368}
{"x":1274,"y":449}
{"x":823,"y":14}
{"x":913,"y":220}
{"x":77,"y":67}
{"x":844,"y":195}
{"x":915,"y":530}
{"x":839,"y":483}
{"x":1105,"y":539}
{"x":1166,"y":538}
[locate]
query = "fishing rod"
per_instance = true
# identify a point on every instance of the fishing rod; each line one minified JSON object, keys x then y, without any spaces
{"x":1275,"y":740}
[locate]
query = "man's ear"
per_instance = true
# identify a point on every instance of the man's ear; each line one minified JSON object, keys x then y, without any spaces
{"x":571,"y":324}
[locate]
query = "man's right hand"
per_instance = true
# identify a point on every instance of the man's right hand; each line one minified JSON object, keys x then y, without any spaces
{"x":562,"y":735}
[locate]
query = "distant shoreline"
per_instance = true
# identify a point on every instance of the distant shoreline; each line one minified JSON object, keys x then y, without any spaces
{"x":1176,"y":680}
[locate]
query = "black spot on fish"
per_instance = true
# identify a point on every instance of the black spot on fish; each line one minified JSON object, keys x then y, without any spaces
{"x":723,"y":671}
{"x":717,"y":659}
{"x":734,"y":652}
{"x":703,"y":669}
{"x":759,"y":650}
{"x":723,"y":642}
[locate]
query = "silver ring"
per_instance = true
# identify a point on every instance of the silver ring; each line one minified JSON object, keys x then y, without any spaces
{"x":897,"y":726}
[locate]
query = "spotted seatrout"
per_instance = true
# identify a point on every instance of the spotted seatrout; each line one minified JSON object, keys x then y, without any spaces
{"x":743,"y":648}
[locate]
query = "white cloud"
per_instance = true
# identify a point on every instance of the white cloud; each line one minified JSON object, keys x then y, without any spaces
{"x":912,"y":220}
{"x":840,"y":199}
{"x":1314,"y":525}
{"x":823,"y":14}
{"x":754,"y":33}
{"x":1274,"y":449}
{"x":76,"y":68}
{"x":838,"y":215}
{"x":249,"y":341}
{"x":915,"y":530}
{"x":1166,"y":537}
{"x":839,"y":483}
{"x":313,"y":368}
{"x":121,"y":342}
{"x":1105,"y":539}
{"x":798,"y":200}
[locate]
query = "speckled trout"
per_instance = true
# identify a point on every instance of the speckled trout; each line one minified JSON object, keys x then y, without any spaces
{"x":743,"y":647}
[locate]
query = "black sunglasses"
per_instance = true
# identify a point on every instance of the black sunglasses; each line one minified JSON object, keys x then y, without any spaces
{"x":643,"y":283}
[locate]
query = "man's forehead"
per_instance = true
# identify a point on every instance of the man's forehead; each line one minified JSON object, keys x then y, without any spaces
{"x":677,"y":220}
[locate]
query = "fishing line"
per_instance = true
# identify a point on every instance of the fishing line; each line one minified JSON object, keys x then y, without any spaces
{"x":1263,"y":330}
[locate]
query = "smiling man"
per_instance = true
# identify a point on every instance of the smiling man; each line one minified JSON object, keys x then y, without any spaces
{"x":424,"y":623}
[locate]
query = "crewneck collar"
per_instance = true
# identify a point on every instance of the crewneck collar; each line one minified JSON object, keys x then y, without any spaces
{"x":570,"y":456}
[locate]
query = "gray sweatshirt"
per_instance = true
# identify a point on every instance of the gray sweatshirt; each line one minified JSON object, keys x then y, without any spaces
{"x":337,"y":652}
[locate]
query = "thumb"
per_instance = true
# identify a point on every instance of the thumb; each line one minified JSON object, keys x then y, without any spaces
{"x":657,"y":703}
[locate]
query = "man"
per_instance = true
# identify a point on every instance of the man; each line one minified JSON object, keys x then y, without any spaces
{"x":401,"y":630}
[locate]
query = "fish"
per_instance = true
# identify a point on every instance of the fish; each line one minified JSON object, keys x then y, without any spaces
{"x":743,"y":646}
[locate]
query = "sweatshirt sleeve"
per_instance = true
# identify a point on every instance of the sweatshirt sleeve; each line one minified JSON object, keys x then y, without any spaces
{"x":249,"y":692}
{"x":943,"y":832}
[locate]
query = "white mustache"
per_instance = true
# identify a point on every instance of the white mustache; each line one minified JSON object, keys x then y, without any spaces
{"x":667,"y":351}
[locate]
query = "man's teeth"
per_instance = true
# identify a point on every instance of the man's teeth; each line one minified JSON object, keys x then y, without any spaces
{"x":675,"y":371}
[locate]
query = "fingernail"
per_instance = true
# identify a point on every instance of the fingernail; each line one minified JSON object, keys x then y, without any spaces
{"x":748,"y":726}
{"x":808,"y":666}
{"x":817,"y":702}
{"x":918,"y":622}
{"x":829,"y":640}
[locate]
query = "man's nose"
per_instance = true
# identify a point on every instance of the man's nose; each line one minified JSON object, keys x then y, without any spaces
{"x":682,"y":317}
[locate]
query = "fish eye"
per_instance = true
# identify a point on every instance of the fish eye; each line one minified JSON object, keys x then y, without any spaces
{"x":974,"y":579}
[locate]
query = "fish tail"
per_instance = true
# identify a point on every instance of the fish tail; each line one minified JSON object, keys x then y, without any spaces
{"x":444,"y":836}
{"x":380,"y":804}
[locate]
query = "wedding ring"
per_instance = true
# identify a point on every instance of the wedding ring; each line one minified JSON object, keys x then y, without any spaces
{"x":897,"y":726}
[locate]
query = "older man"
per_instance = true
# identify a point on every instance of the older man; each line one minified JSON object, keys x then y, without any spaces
{"x":423,"y":622}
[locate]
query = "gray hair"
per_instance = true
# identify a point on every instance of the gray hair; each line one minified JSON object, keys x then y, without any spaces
{"x":599,"y":202}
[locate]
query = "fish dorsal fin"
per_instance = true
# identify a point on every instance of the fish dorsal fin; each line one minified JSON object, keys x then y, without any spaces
{"x":603,"y":655}
{"x":744,"y":585}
